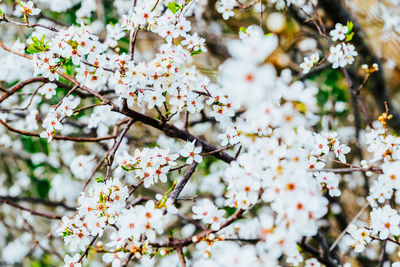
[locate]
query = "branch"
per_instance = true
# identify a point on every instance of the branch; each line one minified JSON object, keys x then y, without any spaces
{"x":116,"y":146}
{"x":172,"y":131}
{"x":189,"y":240}
{"x":41,"y":214}
{"x":38,"y":201}
{"x":58,"y":137}
{"x":184,"y":181}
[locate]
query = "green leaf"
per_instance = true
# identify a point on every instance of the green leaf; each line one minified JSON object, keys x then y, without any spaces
{"x":99,"y":179}
{"x":38,"y":45}
{"x":243,"y":29}
{"x":350,"y":26}
{"x":171,"y":233}
{"x":43,"y":188}
{"x":195,"y":52}
{"x":174,"y":7}
{"x":66,"y":233}
{"x":124,"y":168}
{"x":29,"y":144}
{"x":349,"y":36}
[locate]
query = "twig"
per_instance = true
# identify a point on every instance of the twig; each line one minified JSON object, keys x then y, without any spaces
{"x":38,"y":201}
{"x":115,"y":147}
{"x":181,"y":256}
{"x":58,"y":137}
{"x":345,"y":230}
{"x":41,"y":214}
{"x":88,"y":248}
{"x":183,"y":182}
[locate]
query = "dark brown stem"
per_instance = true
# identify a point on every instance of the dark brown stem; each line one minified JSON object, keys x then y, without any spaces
{"x":116,"y":146}
{"x":41,"y":214}
{"x":183,"y":182}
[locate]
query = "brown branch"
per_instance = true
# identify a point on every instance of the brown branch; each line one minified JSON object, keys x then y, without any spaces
{"x":38,"y":201}
{"x":181,"y":256}
{"x":172,"y":131}
{"x":31,"y":98}
{"x":135,"y":187}
{"x":5,"y":19}
{"x":189,"y":240}
{"x":88,"y":248}
{"x":115,"y":147}
{"x":58,"y":137}
{"x":41,"y":214}
{"x":132,"y":43}
{"x":19,"y":86}
{"x":192,"y":221}
{"x":183,"y":182}
{"x":241,"y":6}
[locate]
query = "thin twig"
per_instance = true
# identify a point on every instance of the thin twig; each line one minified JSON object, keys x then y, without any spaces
{"x":345,"y":230}
{"x":183,"y":182}
{"x":33,"y":212}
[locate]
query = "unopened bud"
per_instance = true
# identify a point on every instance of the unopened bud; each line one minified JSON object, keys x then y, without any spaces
{"x":211,"y":236}
{"x":195,"y":239}
{"x":99,"y":245}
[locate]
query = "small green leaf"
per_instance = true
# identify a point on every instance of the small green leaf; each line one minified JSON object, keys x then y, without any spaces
{"x":66,"y":233}
{"x":100,"y":179}
{"x":243,"y":29}
{"x":124,"y":168}
{"x":171,"y":233}
{"x":195,"y":52}
{"x":349,"y":26}
{"x":38,"y":45}
{"x":349,"y":36}
{"x":174,"y":7}
{"x":32,"y":50}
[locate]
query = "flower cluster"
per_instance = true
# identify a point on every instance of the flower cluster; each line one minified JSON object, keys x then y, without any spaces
{"x":148,"y":164}
{"x":359,"y":237}
{"x":99,"y":207}
{"x":71,"y":45}
{"x":52,"y":121}
{"x":309,"y":62}
{"x":342,"y":54}
{"x":206,"y":211}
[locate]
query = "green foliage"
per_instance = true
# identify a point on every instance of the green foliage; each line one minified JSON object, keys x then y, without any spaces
{"x":350,"y":33}
{"x":35,"y":145}
{"x":349,"y":36}
{"x":38,"y":45}
{"x":66,"y":233}
{"x":196,"y":52}
{"x":42,"y":188}
{"x":243,"y":29}
{"x":350,"y":26}
{"x":229,"y":211}
{"x":99,"y":179}
{"x":124,"y":168}
{"x":174,"y":7}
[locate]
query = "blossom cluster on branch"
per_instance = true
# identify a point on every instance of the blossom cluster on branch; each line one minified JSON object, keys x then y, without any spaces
{"x":190,"y":133}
